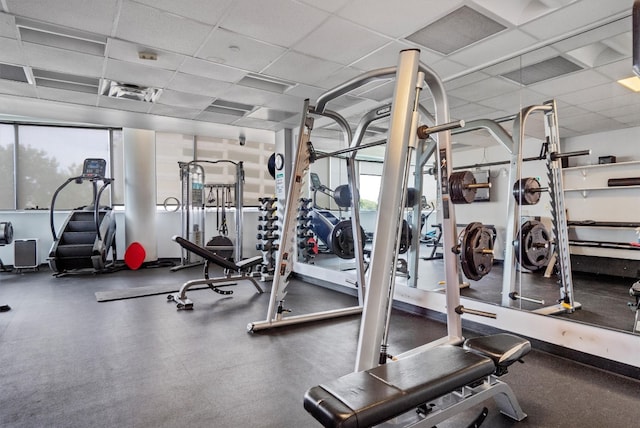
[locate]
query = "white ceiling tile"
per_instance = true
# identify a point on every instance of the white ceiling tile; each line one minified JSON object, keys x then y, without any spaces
{"x":614,"y":102}
{"x":529,"y":58}
{"x":17,"y":88}
{"x":591,"y":123}
{"x":128,"y":72}
{"x":339,"y":77}
{"x":446,"y":68}
{"x":485,"y":89}
{"x":72,"y":97}
{"x":256,"y":123}
{"x":513,"y":102}
{"x":302,"y":68}
{"x":305,"y":91}
{"x":519,"y":12}
{"x":593,"y":36}
{"x":465,"y":80}
{"x":65,"y":61}
{"x":197,"y":85}
{"x":569,"y":83}
{"x":207,"y":11}
{"x":569,"y":111}
{"x":183,"y":99}
{"x":631,"y":120}
{"x":200,"y":67}
{"x":126,"y":51}
{"x":623,"y":110}
{"x":281,"y":22}
{"x":152,"y":27}
{"x":327,"y":5}
{"x":396,"y":18}
{"x":472,"y":111}
{"x":93,"y":16}
{"x":173,"y":111}
{"x":588,"y":95}
{"x":388,"y":55}
{"x":343,"y":33}
{"x":286,"y":103}
{"x":209,"y":116}
{"x":123,"y":104}
{"x":497,"y":47}
{"x":616,"y":70}
{"x":247,"y":95}
{"x":236,"y":50}
{"x":7,"y":26}
{"x":10,"y":52}
{"x":574,"y":16}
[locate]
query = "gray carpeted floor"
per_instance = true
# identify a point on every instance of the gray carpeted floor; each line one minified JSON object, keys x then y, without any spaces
{"x":69,"y":361}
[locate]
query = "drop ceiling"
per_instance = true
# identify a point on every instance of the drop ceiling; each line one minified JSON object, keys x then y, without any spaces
{"x":250,"y":64}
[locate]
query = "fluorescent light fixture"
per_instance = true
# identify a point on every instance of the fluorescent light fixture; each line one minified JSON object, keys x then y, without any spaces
{"x":632,"y":83}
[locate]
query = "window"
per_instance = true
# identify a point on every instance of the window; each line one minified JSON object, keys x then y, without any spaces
{"x":369,"y":191}
{"x":7,"y":144}
{"x":48,"y":156}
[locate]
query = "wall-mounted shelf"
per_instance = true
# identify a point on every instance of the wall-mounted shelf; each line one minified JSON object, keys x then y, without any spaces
{"x":600,"y":165}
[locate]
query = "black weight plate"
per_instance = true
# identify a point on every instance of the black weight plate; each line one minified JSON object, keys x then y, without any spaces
{"x":341,"y":240}
{"x":6,"y":233}
{"x":271,"y":165}
{"x":342,"y":196}
{"x":405,"y":237}
{"x":527,"y":191}
{"x":474,"y":239}
{"x":459,"y":191}
{"x":221,"y":241}
{"x":533,"y":246}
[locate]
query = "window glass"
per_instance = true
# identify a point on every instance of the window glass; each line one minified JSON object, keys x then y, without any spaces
{"x":369,"y":191}
{"x":48,"y":156}
{"x":7,"y":195}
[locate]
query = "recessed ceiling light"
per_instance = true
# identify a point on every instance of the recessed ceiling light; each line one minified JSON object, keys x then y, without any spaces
{"x":632,"y":83}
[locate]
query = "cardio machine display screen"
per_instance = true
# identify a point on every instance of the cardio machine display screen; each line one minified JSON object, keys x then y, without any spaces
{"x":94,"y":168}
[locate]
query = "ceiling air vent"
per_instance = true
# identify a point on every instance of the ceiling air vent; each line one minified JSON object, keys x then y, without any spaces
{"x":129,"y":91}
{"x":544,"y":70}
{"x":229,"y":108}
{"x":459,"y":29}
{"x":60,"y":37}
{"x":13,"y":72}
{"x":265,"y":83}
{"x":68,"y":82}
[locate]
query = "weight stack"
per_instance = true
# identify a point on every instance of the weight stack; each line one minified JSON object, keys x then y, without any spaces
{"x":268,"y":236}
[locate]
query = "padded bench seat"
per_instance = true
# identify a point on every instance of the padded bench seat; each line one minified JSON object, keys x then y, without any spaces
{"x":367,"y":398}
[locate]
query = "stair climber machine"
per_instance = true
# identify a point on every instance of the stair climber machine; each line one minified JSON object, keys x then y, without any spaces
{"x":335,"y":233}
{"x":88,"y":232}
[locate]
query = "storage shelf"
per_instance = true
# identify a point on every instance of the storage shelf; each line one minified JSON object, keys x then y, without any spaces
{"x":600,"y":165}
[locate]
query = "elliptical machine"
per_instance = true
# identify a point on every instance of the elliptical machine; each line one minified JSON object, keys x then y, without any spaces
{"x":89,"y":231}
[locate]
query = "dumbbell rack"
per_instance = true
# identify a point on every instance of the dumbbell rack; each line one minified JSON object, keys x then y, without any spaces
{"x":305,"y":234}
{"x":268,"y":236}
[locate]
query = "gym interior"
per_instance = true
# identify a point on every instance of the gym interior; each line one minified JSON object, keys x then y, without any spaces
{"x":288,"y":213}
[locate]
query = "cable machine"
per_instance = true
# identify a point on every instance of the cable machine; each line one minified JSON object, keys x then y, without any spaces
{"x":195,"y":197}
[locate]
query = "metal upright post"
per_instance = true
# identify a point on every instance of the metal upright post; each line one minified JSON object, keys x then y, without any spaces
{"x":239,"y":196}
{"x":389,"y":213}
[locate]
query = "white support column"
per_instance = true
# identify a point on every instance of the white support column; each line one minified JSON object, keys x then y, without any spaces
{"x":140,"y":190}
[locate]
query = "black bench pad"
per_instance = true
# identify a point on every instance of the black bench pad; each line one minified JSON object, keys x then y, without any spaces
{"x":504,"y":348}
{"x":367,"y":398}
{"x":206,"y":254}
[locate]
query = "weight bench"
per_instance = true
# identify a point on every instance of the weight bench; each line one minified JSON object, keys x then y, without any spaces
{"x":422,"y":389}
{"x":233,"y":272}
